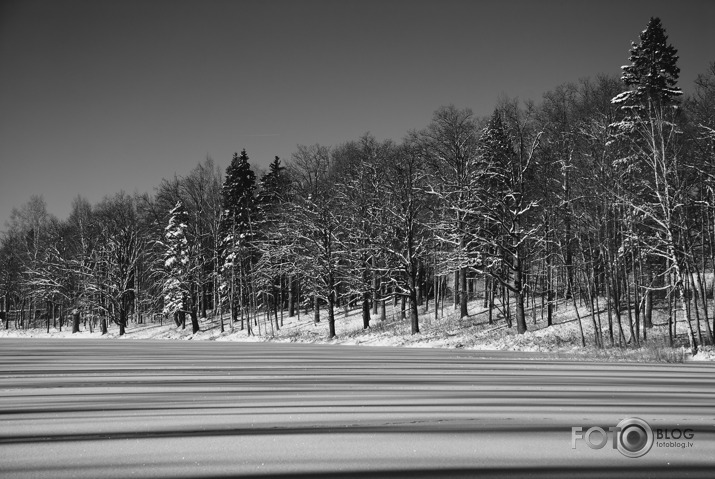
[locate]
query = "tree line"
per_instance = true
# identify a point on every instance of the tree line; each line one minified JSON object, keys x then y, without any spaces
{"x":602,"y":193}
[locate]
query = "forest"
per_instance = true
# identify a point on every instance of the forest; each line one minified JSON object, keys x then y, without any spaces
{"x":601,"y":194}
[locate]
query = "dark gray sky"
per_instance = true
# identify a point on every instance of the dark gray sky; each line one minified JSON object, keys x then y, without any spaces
{"x":102,"y":96}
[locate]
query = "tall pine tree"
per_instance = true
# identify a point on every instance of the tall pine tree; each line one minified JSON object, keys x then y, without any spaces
{"x":270,"y":240}
{"x":239,"y":209}
{"x":652,"y":75}
{"x":274,"y":185}
{"x":238,"y":193}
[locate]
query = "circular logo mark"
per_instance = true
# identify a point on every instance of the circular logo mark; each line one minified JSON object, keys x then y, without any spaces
{"x":635,"y":437}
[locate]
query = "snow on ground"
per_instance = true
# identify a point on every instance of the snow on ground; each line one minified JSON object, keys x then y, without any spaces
{"x":562,"y":340}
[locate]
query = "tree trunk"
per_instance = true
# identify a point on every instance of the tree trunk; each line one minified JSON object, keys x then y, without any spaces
{"x":375,"y":286}
{"x":615,"y":291}
{"x":277,"y":304}
{"x":414,"y":316}
{"x":671,"y":308}
{"x":506,"y":305}
{"x":234,"y":316}
{"x":194,"y":320}
{"x":549,"y":289}
{"x":291,"y":297}
{"x":648,"y":309}
{"x":316,"y":309}
{"x":22,"y":314}
{"x":435,"y":292}
{"x":636,"y":295}
{"x":492,"y":286}
{"x":218,"y":306}
{"x":463,"y":296}
{"x":600,"y":325}
{"x":670,"y":319}
{"x":691,"y":333}
{"x":204,"y":296}
{"x":383,"y":304}
{"x":331,"y":307}
{"x":627,"y":288}
{"x":75,"y":321}
{"x":702,"y":293}
{"x":532,"y":298}
{"x":691,"y":292}
{"x":518,"y":295}
{"x":366,"y":309}
{"x":520,"y":316}
{"x":123,"y":314}
{"x":418,"y":291}
{"x":607,"y":280}
{"x":578,"y":315}
{"x":137,"y":307}
{"x":194,"y":296}
{"x":217,"y":303}
{"x":485,"y":300}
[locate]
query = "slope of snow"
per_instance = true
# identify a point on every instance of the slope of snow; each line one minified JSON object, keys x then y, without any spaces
{"x":560,"y":340}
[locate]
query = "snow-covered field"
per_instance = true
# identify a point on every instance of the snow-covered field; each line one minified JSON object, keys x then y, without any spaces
{"x":562,"y":340}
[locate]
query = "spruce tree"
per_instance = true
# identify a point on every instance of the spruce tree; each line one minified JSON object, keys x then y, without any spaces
{"x":274,"y":185}
{"x":176,"y":264}
{"x":238,"y":193}
{"x":270,"y":240}
{"x":239,"y":209}
{"x":652,"y":75}
{"x":503,"y":209}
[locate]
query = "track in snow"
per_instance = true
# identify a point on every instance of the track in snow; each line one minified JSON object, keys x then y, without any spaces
{"x":96,"y":408}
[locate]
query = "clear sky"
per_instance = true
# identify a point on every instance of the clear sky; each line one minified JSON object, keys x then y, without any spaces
{"x":102,"y":96}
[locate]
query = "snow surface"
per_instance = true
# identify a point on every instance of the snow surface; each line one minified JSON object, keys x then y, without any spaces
{"x":562,"y":340}
{"x":116,"y":409}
